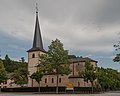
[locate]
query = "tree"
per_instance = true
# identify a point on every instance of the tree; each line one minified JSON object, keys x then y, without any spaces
{"x":20,"y":76}
{"x":102,"y":78}
{"x":117,"y":58}
{"x":56,"y":60}
{"x":11,"y":65}
{"x":108,"y":78}
{"x":114,"y":77}
{"x":8,"y":64}
{"x":117,"y":48}
{"x":3,"y":73}
{"x":22,"y":59}
{"x":71,"y":57}
{"x":37,"y":76}
{"x":89,"y":73}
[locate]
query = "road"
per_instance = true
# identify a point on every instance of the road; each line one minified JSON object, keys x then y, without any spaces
{"x":32,"y":94}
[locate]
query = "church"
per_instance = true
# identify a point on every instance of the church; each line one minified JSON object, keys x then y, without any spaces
{"x":49,"y":80}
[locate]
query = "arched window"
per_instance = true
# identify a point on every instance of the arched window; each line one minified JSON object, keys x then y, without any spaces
{"x":52,"y":80}
{"x":45,"y":80}
{"x":78,"y":84}
{"x":84,"y":84}
{"x":59,"y":80}
{"x":33,"y":55}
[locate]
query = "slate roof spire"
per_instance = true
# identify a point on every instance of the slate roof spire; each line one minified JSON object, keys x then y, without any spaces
{"x":37,"y":41}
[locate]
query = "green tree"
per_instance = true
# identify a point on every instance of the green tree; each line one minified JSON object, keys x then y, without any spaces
{"x":89,"y":73}
{"x":114,"y":77}
{"x":71,"y":56}
{"x":102,"y":78}
{"x":117,"y":58}
{"x":22,"y":59}
{"x":37,"y":76}
{"x":8,"y":64}
{"x":20,"y":76}
{"x":117,"y":48}
{"x":3,"y":73}
{"x":11,"y":65}
{"x":56,"y":60}
{"x":108,"y":78}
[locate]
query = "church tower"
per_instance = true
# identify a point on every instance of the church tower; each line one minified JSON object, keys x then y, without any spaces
{"x":37,"y":48}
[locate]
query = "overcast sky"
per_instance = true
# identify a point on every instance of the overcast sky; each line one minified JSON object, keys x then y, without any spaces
{"x":87,"y":28}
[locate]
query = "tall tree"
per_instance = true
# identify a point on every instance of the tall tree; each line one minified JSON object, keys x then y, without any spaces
{"x":102,"y":78}
{"x":22,"y":59}
{"x":3,"y":73}
{"x":9,"y":64}
{"x":89,"y":73}
{"x":37,"y":76}
{"x":56,"y":60}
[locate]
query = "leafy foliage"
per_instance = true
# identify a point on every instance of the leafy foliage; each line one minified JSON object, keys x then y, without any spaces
{"x":19,"y":70}
{"x":56,"y":60}
{"x":3,"y":73}
{"x":89,"y":73}
{"x":11,"y":66}
{"x":108,"y":78}
{"x":117,"y":58}
{"x":117,"y":48}
{"x":105,"y":78}
{"x":57,"y":57}
{"x":37,"y":76}
{"x":71,"y":57}
{"x":20,"y":76}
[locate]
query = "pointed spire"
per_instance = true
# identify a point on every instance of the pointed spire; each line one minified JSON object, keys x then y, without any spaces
{"x":37,"y":42}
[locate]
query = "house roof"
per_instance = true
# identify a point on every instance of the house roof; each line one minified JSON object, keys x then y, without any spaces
{"x":36,"y":49}
{"x":81,"y":59}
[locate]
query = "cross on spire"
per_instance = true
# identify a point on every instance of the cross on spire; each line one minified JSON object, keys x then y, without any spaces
{"x":36,"y":8}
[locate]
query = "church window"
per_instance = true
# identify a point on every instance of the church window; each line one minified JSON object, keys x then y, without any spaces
{"x":84,"y":84}
{"x":59,"y":80}
{"x":52,"y":80}
{"x":45,"y":80}
{"x":78,"y":84}
{"x":33,"y":55}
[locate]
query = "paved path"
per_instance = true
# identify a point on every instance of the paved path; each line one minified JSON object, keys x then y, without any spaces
{"x":31,"y":94}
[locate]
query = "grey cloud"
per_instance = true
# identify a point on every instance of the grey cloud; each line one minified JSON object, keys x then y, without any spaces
{"x":85,"y":27}
{"x":109,"y":12}
{"x":78,"y":23}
